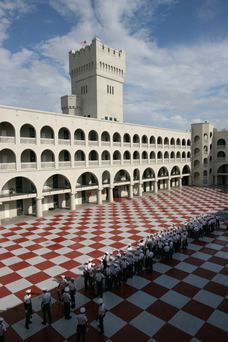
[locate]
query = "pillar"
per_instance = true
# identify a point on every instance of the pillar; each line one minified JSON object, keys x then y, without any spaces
{"x":39,"y":210}
{"x":156,"y":186}
{"x":110,"y":194}
{"x":99,"y":196}
{"x":72,"y":201}
{"x":168,"y":180}
{"x":180,"y":182}
{"x":130,"y":191}
{"x":140,"y":189}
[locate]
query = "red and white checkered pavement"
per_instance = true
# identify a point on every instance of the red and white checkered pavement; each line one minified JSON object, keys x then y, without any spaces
{"x":191,"y":288}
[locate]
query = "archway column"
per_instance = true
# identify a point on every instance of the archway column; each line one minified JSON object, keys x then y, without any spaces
{"x":180,"y":182}
{"x":110,"y":194}
{"x":169,"y":181}
{"x":140,"y":189}
{"x":39,"y":209}
{"x":130,"y":191}
{"x":99,"y":196}
{"x":72,"y":201}
{"x":156,"y":186}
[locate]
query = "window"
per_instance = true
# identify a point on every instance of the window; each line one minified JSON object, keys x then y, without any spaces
{"x":106,"y":118}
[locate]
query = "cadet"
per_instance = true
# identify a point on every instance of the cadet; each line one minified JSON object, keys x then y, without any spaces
{"x":86,"y":275}
{"x":28,"y":308}
{"x":99,"y":282}
{"x":101,"y":314}
{"x":46,"y":306}
{"x":82,"y":324}
{"x":72,"y":288}
{"x":66,"y":303}
{"x":2,"y":330}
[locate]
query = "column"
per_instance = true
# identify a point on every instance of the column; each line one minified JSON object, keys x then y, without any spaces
{"x":168,"y":180}
{"x":99,"y":196}
{"x":156,"y":186}
{"x":39,"y":210}
{"x":130,"y":191}
{"x":72,"y":201}
{"x":140,"y":189}
{"x":180,"y":182}
{"x":110,"y":195}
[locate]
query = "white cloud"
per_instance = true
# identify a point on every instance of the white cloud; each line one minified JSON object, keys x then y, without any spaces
{"x":169,"y":87}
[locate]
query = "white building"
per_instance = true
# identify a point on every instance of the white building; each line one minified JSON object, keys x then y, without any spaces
{"x":87,"y":154}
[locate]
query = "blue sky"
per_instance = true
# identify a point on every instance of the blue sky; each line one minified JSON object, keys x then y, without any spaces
{"x":177,"y":65}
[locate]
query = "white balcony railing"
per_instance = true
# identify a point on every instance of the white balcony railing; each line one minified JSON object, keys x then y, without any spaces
{"x":144,"y":161}
{"x":64,"y":141}
{"x":8,"y":166}
{"x":5,"y":139}
{"x":127,"y":162}
{"x":79,"y":163}
{"x":28,"y":165}
{"x":93,"y":162}
{"x":136,"y":144}
{"x":116,"y":162}
{"x":79,"y":142}
{"x":47,"y":141}
{"x":116,"y":143}
{"x":28,"y":140}
{"x":48,"y":165}
{"x":159,"y":161}
{"x":63,"y":164}
{"x":136,"y":161}
{"x":93,"y":143}
{"x":152,"y":161}
{"x":145,"y":145}
{"x":105,"y":143}
{"x":105,"y":162}
{"x":127,"y":144}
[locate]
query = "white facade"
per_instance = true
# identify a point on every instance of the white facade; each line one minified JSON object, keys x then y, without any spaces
{"x":88,"y":155}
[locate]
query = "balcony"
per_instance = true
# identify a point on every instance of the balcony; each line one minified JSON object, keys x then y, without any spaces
{"x":8,"y":166}
{"x":144,"y":161}
{"x":27,"y":140}
{"x":116,"y":162}
{"x":136,"y":161}
{"x":106,"y":162}
{"x":105,"y":143}
{"x":5,"y":139}
{"x":145,"y":145}
{"x":47,"y":141}
{"x":48,"y":165}
{"x":64,"y":141}
{"x":127,"y":144}
{"x":93,"y":143}
{"x":79,"y":163}
{"x":221,"y":159}
{"x":29,"y":165}
{"x":136,"y":144}
{"x":79,"y":142}
{"x":159,"y":161}
{"x":93,"y":163}
{"x":127,"y":162}
{"x":116,"y":143}
{"x":64,"y":164}
{"x":152,"y":161}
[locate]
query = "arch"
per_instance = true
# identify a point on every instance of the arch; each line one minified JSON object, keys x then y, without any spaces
{"x":159,"y":140}
{"x":64,"y":133}
{"x":183,"y":142}
{"x":7,"y":156}
{"x":28,"y":156}
{"x":79,"y":155}
{"x":172,"y":155}
{"x":19,"y":185}
{"x":79,"y":134}
{"x":93,"y":136}
{"x":196,"y":151}
{"x":152,"y":140}
{"x":126,"y":138}
{"x":188,"y":142}
{"x":87,"y":179}
{"x":163,"y":172}
{"x":47,"y":132}
{"x":136,"y":174}
{"x":196,"y":163}
{"x":144,"y":139}
{"x":166,"y":155}
{"x":136,"y":139}
{"x":7,"y":129}
{"x":47,"y":156}
{"x":105,"y":155}
{"x":166,"y":141}
{"x":205,"y":161}
{"x":159,"y":155}
{"x":152,"y":155}
{"x":105,"y":136}
{"x":196,"y":139}
{"x":221,"y":155}
{"x":221,"y":142}
{"x":178,"y":142}
{"x":205,"y":173}
{"x":178,"y":155}
{"x":116,"y":155}
{"x":55,"y":182}
{"x":64,"y":156}
{"x":116,"y":137}
{"x":126,"y":155}
{"x":189,"y":155}
{"x":196,"y":177}
{"x":93,"y":155}
{"x":106,"y":178}
{"x":148,"y":173}
{"x":122,"y":176}
{"x":223,"y":168}
{"x":205,"y":148}
{"x":144,"y":155}
{"x":205,"y":136}
{"x":136,"y":155}
{"x":186,"y":170}
{"x":183,"y":155}
{"x":175,"y":171}
{"x":172,"y":142}
{"x":27,"y":131}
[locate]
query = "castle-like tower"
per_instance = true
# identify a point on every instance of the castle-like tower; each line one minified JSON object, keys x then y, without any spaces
{"x":97,"y":76}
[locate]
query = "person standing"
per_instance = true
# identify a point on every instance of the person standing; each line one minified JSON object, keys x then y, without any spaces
{"x":82,"y":324}
{"x":28,"y":308}
{"x":99,"y":282}
{"x":72,"y":288}
{"x":46,"y":306}
{"x":101,"y":314}
{"x":66,"y":303}
{"x":2,"y":330}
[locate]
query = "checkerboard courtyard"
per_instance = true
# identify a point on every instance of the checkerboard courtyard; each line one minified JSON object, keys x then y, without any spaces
{"x":185,"y":299}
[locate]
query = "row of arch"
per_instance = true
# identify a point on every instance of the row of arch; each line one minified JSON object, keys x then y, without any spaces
{"x":221,"y":142}
{"x":28,"y":155}
{"x":47,"y":132}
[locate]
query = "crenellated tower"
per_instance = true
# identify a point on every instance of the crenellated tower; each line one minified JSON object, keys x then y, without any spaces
{"x":97,"y":76}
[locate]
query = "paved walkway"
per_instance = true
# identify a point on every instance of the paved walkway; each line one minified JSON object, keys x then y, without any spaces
{"x":184,"y":300}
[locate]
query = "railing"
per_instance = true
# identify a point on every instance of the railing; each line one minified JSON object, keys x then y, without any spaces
{"x":116,"y":143}
{"x":28,"y":140}
{"x":79,"y":142}
{"x":48,"y":165}
{"x":166,"y":146}
{"x":159,"y":161}
{"x":152,"y":145}
{"x":221,"y":146}
{"x":105,"y":143}
{"x":8,"y":166}
{"x":145,"y":145}
{"x":5,"y":139}
{"x":106,"y":162}
{"x":152,"y":161}
{"x":64,"y":141}
{"x":136,"y":161}
{"x":28,"y":165}
{"x":166,"y":161}
{"x":64,"y":164}
{"x":127,"y":144}
{"x":178,"y":159}
{"x":136,"y":144}
{"x":93,"y":162}
{"x":159,"y":145}
{"x":127,"y":162}
{"x":144,"y":161}
{"x":47,"y":141}
{"x":79,"y":163}
{"x":93,"y":143}
{"x":221,"y":159}
{"x":116,"y":162}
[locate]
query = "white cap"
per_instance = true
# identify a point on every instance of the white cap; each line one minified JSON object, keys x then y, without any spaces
{"x":28,"y":291}
{"x":82,"y":309}
{"x":100,"y":301}
{"x":67,"y":289}
{"x":63,"y":276}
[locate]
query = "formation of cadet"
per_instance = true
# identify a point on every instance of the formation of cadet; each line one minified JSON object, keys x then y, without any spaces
{"x":2,"y":330}
{"x":66,"y":294}
{"x":112,"y":270}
